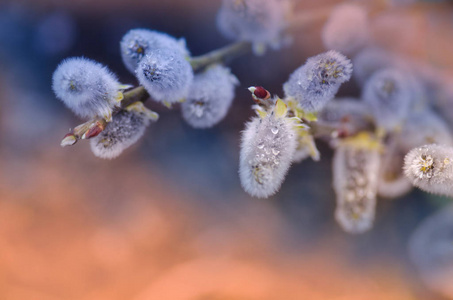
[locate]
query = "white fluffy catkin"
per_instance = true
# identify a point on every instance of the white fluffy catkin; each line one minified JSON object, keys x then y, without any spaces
{"x":210,"y":97}
{"x":137,"y":43}
{"x":86,"y":87}
{"x":166,"y":75}
{"x":317,"y":81}
{"x":126,"y":128}
{"x":430,"y":168}
{"x":388,"y":92}
{"x":267,"y":149}
{"x":355,"y":179}
{"x":431,"y":251}
{"x":256,"y":21}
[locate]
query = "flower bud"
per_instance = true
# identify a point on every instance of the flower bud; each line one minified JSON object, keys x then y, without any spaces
{"x":125,"y":130}
{"x":210,"y":97}
{"x":267,"y":149}
{"x":137,"y":43}
{"x":430,"y":168}
{"x":388,"y":92}
{"x":256,"y":21}
{"x":355,"y":178}
{"x":87,"y":88}
{"x":431,"y":251}
{"x":166,"y":75}
{"x":317,"y":81}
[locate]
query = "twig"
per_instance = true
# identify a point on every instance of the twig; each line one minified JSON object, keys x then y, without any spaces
{"x":95,"y":126}
{"x":224,"y":54}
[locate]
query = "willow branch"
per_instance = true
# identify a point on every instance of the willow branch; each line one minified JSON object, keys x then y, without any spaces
{"x":95,"y":126}
{"x":224,"y":54}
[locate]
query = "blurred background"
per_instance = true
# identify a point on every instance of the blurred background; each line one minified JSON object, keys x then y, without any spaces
{"x":168,"y":219}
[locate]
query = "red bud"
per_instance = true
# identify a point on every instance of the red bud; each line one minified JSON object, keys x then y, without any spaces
{"x":261,"y":93}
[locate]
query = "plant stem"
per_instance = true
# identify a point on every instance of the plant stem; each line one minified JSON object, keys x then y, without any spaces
{"x":224,"y":54}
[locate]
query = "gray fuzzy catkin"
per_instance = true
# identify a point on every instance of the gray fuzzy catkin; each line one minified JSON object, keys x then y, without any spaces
{"x":388,"y":92}
{"x":86,"y":87}
{"x":317,"y":81}
{"x":256,"y":21}
{"x":431,"y":251}
{"x":355,"y":179}
{"x":137,"y":43}
{"x":166,"y":75}
{"x":267,"y":149}
{"x":210,"y":97}
{"x":430,"y":168}
{"x":126,"y":128}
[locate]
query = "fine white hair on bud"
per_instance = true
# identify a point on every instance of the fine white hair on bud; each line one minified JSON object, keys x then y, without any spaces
{"x":346,"y":30}
{"x":86,"y":87}
{"x":388,"y":92}
{"x":137,"y":43}
{"x":210,"y":97}
{"x":430,"y":168}
{"x":424,"y":127}
{"x":256,"y":21}
{"x":355,"y":179}
{"x":126,"y":128}
{"x":166,"y":75}
{"x":267,"y":149}
{"x":431,"y":251}
{"x":317,"y":81}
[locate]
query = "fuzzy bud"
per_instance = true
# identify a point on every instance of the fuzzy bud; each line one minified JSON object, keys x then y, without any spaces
{"x":125,"y":130}
{"x":256,"y":21}
{"x":431,"y":251}
{"x":166,"y":75}
{"x":317,"y":81}
{"x":86,"y":87}
{"x":430,"y":168}
{"x":259,"y":93}
{"x":210,"y":97}
{"x":137,"y":43}
{"x":267,"y":149}
{"x":347,"y":29}
{"x":388,"y":92}
{"x":355,"y":179}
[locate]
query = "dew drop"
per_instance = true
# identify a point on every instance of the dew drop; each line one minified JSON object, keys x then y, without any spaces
{"x":274,"y":130}
{"x":275,"y":151}
{"x":261,"y":145}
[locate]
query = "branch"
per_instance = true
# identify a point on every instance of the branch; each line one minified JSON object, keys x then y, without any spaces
{"x":224,"y":54}
{"x":95,"y":126}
